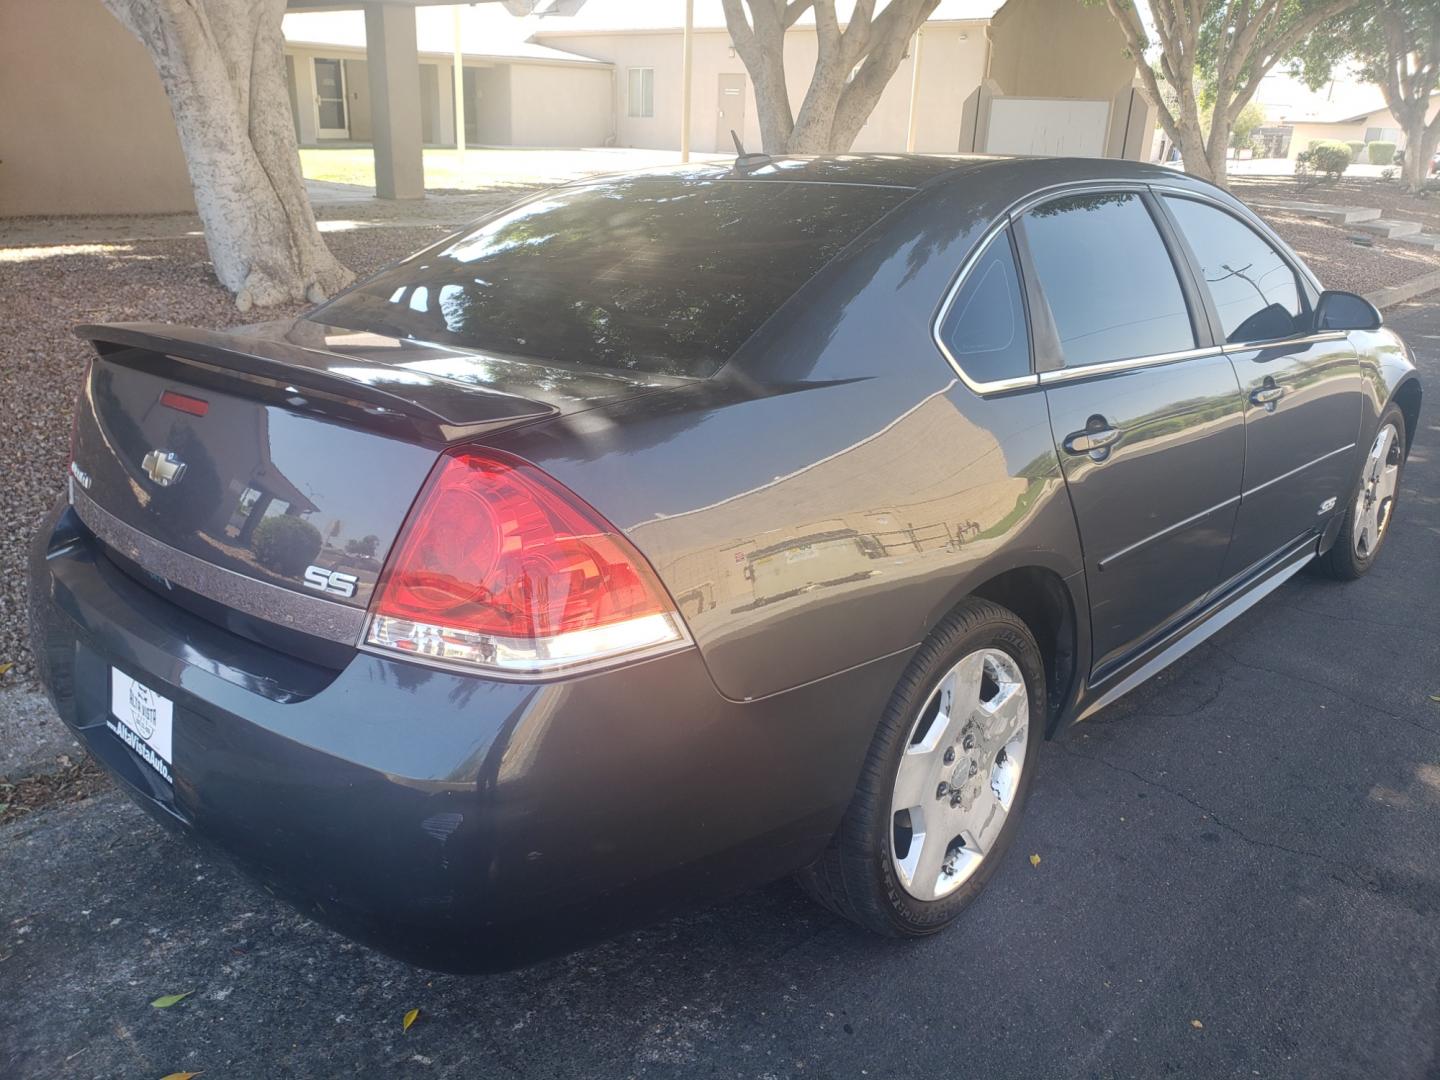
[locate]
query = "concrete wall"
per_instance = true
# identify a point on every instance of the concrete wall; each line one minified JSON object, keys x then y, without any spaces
{"x":1058,"y":49}
{"x":86,"y":128}
{"x":951,"y":66}
{"x":559,"y":106}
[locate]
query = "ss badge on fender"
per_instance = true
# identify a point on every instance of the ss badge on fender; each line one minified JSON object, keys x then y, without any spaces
{"x":331,"y":581}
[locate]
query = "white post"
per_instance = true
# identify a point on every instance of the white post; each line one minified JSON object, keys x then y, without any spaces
{"x":685,"y":77}
{"x":459,"y":62}
{"x":914,"y":91}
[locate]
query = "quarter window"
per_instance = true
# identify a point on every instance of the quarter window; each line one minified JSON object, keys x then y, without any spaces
{"x":642,"y":91}
{"x":1253,"y":287}
{"x":984,"y":329}
{"x":1108,"y":279}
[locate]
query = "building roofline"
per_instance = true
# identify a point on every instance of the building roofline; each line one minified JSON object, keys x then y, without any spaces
{"x":622,"y":31}
{"x":359,"y":51}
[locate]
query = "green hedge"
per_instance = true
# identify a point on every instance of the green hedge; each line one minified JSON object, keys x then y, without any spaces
{"x":1381,"y":153}
{"x":1357,"y":150}
{"x":286,"y":544}
{"x":1326,"y":158}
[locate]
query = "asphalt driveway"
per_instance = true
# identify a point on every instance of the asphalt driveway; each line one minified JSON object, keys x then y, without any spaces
{"x":1239,"y":876}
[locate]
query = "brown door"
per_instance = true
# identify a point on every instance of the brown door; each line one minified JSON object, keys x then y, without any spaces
{"x":731,"y":113}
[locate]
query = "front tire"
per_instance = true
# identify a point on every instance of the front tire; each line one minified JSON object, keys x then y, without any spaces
{"x":942,"y":790}
{"x":1372,"y":508}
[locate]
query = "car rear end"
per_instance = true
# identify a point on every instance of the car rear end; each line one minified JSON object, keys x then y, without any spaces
{"x":300,"y":601}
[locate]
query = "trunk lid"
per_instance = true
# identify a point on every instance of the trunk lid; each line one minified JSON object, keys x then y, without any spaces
{"x":272,"y":468}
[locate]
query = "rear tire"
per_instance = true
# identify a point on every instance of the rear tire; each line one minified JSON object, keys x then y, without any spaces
{"x":958,"y":739}
{"x":1372,"y":503}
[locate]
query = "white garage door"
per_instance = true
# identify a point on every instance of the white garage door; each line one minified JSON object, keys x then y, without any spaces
{"x":1065,"y":127}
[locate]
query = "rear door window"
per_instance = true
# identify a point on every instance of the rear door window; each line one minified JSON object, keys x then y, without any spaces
{"x":984,"y":328}
{"x":1253,"y":287}
{"x":664,"y":277}
{"x":1108,"y":278}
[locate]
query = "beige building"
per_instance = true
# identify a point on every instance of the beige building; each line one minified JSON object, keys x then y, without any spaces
{"x":517,"y":93}
{"x":1376,"y":124}
{"x":88,"y":128}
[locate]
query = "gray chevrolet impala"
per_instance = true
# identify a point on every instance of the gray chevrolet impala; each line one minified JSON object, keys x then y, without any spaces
{"x":663,"y":535}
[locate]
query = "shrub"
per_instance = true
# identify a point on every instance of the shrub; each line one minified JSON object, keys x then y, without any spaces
{"x":1326,"y":161}
{"x":286,"y":544}
{"x":1382,"y":153}
{"x":1357,"y":150}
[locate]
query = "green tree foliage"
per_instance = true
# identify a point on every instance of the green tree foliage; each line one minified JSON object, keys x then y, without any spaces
{"x":1396,"y":45}
{"x":1212,"y":51}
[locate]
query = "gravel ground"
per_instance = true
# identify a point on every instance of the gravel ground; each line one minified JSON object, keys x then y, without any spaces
{"x":1343,"y":264}
{"x":48,"y":290}
{"x":1387,"y":195}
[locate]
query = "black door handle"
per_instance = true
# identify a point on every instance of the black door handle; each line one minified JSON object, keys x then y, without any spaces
{"x":1096,"y":440}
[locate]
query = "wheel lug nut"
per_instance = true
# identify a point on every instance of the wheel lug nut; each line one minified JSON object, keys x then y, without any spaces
{"x":942,"y":790}
{"x":950,"y":755}
{"x":969,"y":742}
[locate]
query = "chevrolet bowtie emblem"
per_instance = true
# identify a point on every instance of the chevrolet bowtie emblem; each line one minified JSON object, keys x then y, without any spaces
{"x":163,"y":467}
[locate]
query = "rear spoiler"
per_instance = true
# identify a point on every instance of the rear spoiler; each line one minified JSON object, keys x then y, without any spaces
{"x":437,"y":409}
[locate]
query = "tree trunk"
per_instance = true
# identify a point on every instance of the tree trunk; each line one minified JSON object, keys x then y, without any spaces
{"x":852,"y":67}
{"x":1419,"y":150}
{"x":223,"y":69}
{"x":1195,"y":155}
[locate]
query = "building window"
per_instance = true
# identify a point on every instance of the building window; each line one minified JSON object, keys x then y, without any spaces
{"x":642,"y":91}
{"x":1382,"y":134}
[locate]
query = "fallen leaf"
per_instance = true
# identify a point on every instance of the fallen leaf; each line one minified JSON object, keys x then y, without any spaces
{"x":4,"y":806}
{"x":170,"y":999}
{"x":410,"y":1018}
{"x":1197,"y":1025}
{"x":1034,"y":860}
{"x":6,"y":667}
{"x":1433,"y":697}
{"x":180,"y":1076}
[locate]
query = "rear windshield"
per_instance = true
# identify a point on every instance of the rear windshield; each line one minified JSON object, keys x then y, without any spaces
{"x":661,"y":277}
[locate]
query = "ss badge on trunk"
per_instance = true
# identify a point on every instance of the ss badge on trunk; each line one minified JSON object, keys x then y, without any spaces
{"x":330,"y":581}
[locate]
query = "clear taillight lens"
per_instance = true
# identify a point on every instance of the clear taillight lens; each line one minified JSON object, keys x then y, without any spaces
{"x":500,"y":567}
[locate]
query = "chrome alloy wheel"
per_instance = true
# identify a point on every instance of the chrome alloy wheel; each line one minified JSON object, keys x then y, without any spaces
{"x":1377,"y":492}
{"x":959,"y":774}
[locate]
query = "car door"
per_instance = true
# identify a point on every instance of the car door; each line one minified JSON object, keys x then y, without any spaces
{"x":1302,"y":390}
{"x":1144,"y":408}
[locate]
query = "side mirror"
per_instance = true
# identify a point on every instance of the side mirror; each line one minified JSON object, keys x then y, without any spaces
{"x":1345,"y":311}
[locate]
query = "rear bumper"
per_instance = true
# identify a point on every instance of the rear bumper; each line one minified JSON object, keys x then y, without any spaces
{"x":457,"y":822}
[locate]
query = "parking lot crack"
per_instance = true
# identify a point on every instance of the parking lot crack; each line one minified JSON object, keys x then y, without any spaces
{"x":1353,"y":874}
{"x":1306,"y":680}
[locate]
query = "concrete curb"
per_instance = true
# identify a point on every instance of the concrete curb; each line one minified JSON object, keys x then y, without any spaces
{"x":1398,"y":294}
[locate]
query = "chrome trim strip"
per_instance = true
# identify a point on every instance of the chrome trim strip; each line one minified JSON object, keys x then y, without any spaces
{"x":1108,"y":559}
{"x":1207,"y":622}
{"x":272,"y":603}
{"x":1297,"y":469}
{"x":1285,"y":343}
{"x":994,"y":386}
{"x":1063,"y":375}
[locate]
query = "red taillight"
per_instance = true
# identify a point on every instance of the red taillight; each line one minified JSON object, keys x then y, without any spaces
{"x":501,"y":567}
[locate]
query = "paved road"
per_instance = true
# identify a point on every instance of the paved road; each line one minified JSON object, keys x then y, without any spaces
{"x":1251,"y":842}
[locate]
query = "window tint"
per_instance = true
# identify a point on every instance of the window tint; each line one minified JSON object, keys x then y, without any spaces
{"x":1254,"y":289}
{"x":985,"y":326}
{"x":659,"y":276}
{"x":1109,"y":281}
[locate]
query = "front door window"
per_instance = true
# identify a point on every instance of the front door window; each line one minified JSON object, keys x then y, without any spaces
{"x":330,"y":98}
